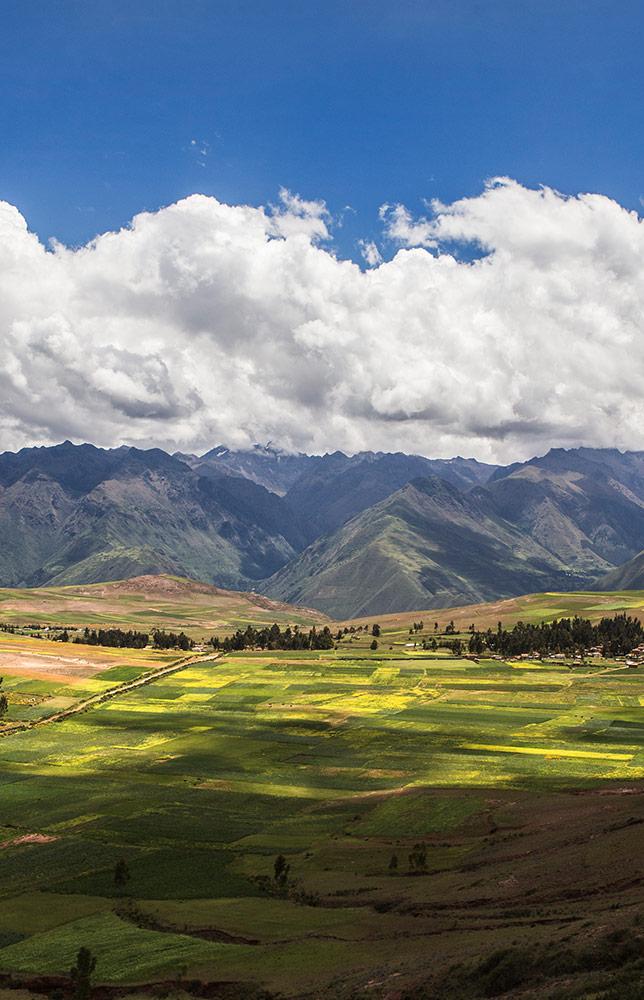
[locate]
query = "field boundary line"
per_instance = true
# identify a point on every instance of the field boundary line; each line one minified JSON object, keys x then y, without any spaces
{"x":102,"y":696}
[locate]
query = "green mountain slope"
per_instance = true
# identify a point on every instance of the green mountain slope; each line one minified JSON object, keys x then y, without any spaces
{"x":629,"y":576}
{"x":427,"y":545}
{"x":329,"y":493}
{"x":69,"y":515}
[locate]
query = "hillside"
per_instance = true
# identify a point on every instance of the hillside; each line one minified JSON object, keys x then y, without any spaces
{"x":487,"y":814}
{"x":313,"y":528}
{"x":426,"y":545}
{"x":629,"y":576}
{"x":527,"y":608}
{"x":146,"y":602}
{"x":586,"y":506}
{"x":81,"y":514}
{"x":331,"y":492}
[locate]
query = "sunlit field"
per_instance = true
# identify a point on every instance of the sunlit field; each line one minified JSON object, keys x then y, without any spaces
{"x":504,"y":772}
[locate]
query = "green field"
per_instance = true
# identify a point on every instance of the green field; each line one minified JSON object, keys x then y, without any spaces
{"x":527,"y":608}
{"x":336,"y":760}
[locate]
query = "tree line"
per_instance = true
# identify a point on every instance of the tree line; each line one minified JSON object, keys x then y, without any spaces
{"x":115,"y":637}
{"x":614,"y":636}
{"x":131,"y":639}
{"x":274,"y":638}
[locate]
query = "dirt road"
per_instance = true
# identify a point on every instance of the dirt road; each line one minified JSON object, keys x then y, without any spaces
{"x":119,"y":689}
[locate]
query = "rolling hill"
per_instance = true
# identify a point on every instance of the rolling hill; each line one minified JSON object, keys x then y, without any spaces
{"x":147,"y":602}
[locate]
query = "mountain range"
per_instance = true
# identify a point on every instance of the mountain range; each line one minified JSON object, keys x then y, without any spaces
{"x":350,"y":535}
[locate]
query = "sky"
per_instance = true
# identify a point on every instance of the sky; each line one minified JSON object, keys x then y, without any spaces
{"x":241,"y":221}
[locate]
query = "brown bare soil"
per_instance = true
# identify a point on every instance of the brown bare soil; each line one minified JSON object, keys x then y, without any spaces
{"x":28,"y":838}
{"x":60,"y":668}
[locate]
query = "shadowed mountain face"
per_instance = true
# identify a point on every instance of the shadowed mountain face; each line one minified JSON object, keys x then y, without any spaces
{"x":349,"y":534}
{"x":629,"y":576}
{"x":80,"y":514}
{"x":330,"y":493}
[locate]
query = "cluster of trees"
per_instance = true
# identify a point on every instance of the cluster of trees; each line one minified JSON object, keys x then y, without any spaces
{"x":275,"y":638}
{"x":116,"y":637}
{"x":120,"y":639}
{"x":171,"y":640}
{"x":614,"y":636}
{"x":352,"y":629}
{"x":455,"y":645}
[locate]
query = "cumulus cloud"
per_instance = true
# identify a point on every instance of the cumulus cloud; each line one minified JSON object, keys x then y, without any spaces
{"x":205,"y":323}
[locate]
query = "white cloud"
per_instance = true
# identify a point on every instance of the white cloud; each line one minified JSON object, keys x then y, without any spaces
{"x":204,"y":323}
{"x":370,"y":253}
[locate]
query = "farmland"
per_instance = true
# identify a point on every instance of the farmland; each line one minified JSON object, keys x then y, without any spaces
{"x":146,"y":603}
{"x":528,"y":608}
{"x":519,"y":781}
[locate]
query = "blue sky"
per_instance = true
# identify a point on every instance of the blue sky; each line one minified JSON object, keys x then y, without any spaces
{"x":496,"y":327}
{"x":112,"y":107}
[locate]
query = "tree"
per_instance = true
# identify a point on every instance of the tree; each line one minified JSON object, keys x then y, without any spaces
{"x":121,"y":873}
{"x":476,"y":643}
{"x":374,"y":644}
{"x":418,"y":858}
{"x":81,"y":974}
{"x":281,"y":870}
{"x":375,"y":630}
{"x":4,"y":702}
{"x":393,"y":864}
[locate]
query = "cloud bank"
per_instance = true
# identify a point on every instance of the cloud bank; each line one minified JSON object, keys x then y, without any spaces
{"x":205,"y":323}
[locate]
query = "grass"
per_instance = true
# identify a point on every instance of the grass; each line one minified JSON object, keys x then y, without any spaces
{"x":510,"y":772}
{"x":528,"y":608}
{"x":124,"y":952}
{"x":146,"y":603}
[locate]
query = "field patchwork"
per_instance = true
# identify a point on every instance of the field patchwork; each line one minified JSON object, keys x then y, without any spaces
{"x":338,"y":760}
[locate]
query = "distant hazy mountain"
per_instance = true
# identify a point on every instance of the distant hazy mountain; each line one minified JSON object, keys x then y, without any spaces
{"x":427,"y":545}
{"x":329,"y":493}
{"x":585,"y":506}
{"x":354,"y":534}
{"x":629,"y":576}
{"x":269,"y":467}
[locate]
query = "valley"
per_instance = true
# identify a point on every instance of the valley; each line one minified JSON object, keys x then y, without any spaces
{"x":484,"y":812}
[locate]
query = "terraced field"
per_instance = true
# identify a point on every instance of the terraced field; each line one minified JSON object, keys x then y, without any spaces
{"x":522,"y":781}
